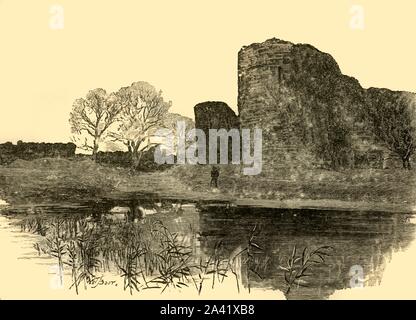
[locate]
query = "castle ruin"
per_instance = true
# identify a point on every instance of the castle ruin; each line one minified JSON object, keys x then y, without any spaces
{"x":310,"y":113}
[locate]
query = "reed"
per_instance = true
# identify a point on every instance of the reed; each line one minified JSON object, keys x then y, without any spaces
{"x":57,"y":249}
{"x":74,"y":265}
{"x":146,"y":255}
{"x":38,"y":248}
{"x":35,"y":225}
{"x":173,"y":263}
{"x":130,"y":253}
{"x":298,"y":266}
{"x":88,"y":246}
{"x":249,"y":252}
{"x":215,"y":267}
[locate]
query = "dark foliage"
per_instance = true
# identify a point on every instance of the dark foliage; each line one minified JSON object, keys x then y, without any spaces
{"x":10,"y":152}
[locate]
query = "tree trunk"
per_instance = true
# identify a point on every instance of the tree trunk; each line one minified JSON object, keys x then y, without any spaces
{"x":135,"y":159}
{"x":136,"y":154}
{"x":95,"y":150}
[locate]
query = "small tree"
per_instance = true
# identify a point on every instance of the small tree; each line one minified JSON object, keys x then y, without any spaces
{"x":143,"y":110}
{"x":392,"y":115}
{"x":171,"y":121}
{"x":91,"y":117}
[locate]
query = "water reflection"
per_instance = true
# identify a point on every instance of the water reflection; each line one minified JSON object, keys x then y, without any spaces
{"x":365,"y":239}
{"x":153,"y":243}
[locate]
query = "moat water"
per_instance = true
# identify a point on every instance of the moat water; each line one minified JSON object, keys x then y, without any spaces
{"x":174,"y":244}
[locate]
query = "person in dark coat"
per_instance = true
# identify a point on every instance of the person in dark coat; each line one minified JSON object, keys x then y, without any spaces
{"x":215,"y":173}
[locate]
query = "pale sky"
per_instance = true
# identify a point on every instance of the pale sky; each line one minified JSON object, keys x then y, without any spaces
{"x":188,"y":49}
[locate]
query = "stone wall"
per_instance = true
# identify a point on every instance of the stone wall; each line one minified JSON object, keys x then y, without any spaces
{"x":261,"y":70}
{"x":123,"y":159}
{"x":215,"y":115}
{"x":310,"y":113}
{"x":31,"y":150}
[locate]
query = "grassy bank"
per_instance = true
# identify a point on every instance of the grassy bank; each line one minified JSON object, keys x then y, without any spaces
{"x":50,"y":180}
{"x":57,"y":180}
{"x":373,"y":185}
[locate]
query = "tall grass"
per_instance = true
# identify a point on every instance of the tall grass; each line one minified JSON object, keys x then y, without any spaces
{"x":215,"y":267}
{"x":131,"y":251}
{"x":73,"y":263}
{"x":88,"y":241}
{"x":173,"y":260}
{"x":147,"y":255}
{"x":299,"y":266}
{"x":249,"y":252}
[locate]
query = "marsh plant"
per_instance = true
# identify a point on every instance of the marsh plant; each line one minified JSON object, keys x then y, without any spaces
{"x":130,"y":251}
{"x":147,"y":255}
{"x":73,"y":263}
{"x":249,"y":253}
{"x":56,"y":246}
{"x":219,"y":265}
{"x":174,"y":263}
{"x":36,"y":225}
{"x":214,"y":268}
{"x":88,"y":244}
{"x":299,"y":266}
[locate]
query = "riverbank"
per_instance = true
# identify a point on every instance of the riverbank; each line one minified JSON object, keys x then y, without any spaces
{"x":71,"y":181}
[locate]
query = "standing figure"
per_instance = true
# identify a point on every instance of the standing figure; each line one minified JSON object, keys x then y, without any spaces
{"x":215,"y":173}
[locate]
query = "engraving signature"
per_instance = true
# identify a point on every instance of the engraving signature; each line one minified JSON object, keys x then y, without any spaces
{"x":99,"y":281}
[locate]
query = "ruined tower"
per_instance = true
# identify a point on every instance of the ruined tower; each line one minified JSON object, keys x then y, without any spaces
{"x":310,"y":113}
{"x":259,"y":65}
{"x":215,"y":115}
{"x":262,"y":70}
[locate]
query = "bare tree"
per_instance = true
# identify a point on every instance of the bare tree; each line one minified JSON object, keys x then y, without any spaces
{"x":142,"y":112}
{"x":91,"y":117}
{"x":392,"y":115}
{"x":171,"y":122}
